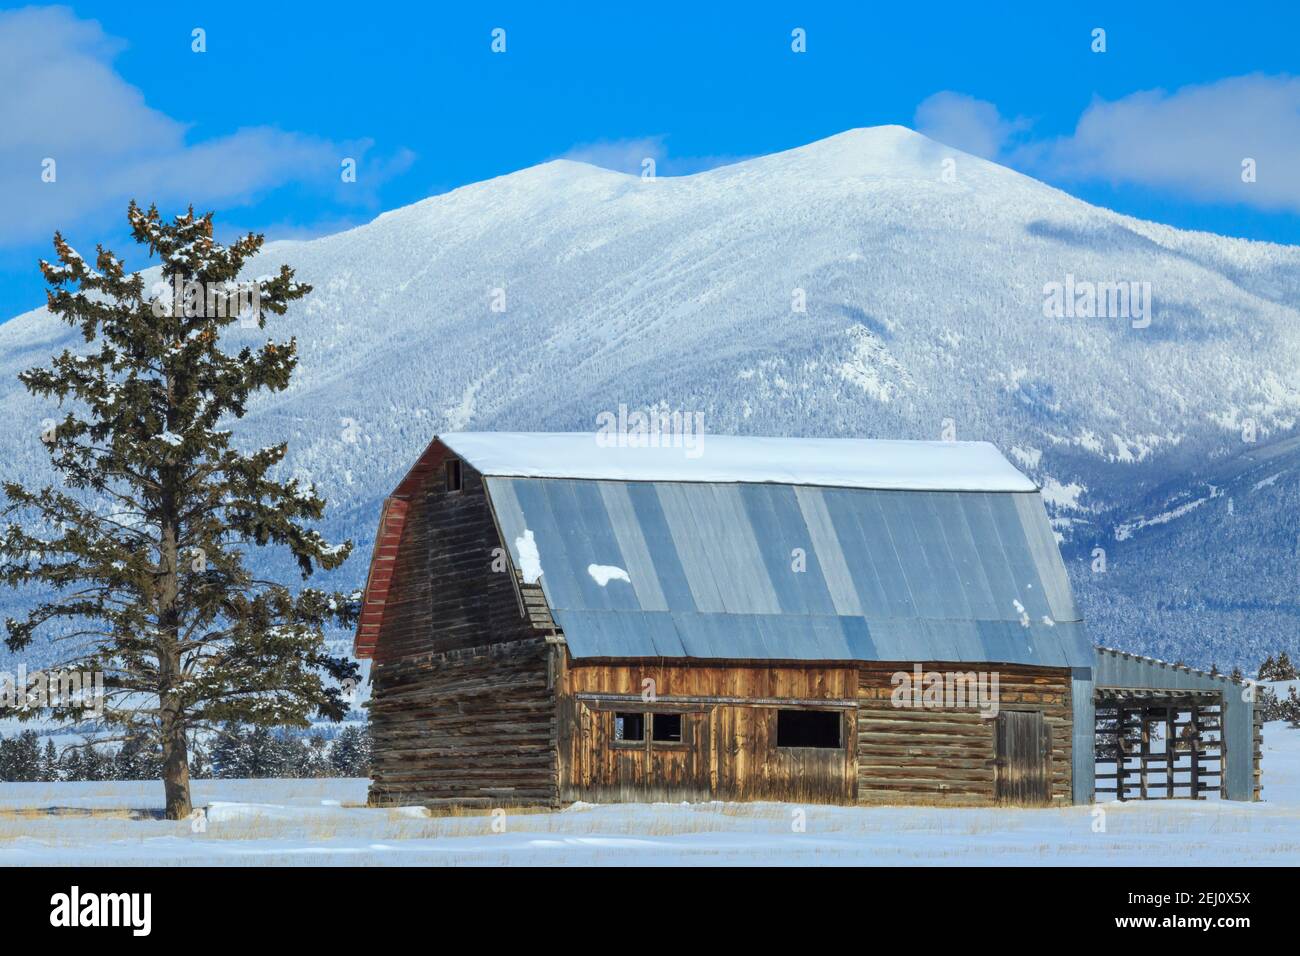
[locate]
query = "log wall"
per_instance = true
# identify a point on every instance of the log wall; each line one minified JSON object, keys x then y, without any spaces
{"x":469,"y":727}
{"x":948,"y":755}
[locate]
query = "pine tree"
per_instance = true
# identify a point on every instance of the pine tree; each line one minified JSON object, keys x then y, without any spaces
{"x":1267,"y":668}
{"x":50,"y":763}
{"x":20,"y":758}
{"x":1290,"y":710}
{"x":264,"y":752}
{"x":1284,"y":669}
{"x":95,"y":765}
{"x":137,"y":759}
{"x":350,"y":755}
{"x":228,"y":753}
{"x":144,"y":542}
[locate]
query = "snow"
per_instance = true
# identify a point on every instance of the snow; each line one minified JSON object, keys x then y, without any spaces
{"x":1125,"y":530}
{"x":832,"y":462}
{"x":171,"y":438}
{"x":602,"y":574}
{"x":325,"y":822}
{"x":1062,"y":497}
{"x":530,"y":561}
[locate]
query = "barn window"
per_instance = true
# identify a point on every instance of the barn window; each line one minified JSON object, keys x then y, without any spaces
{"x":666,"y":728}
{"x":808,"y":728}
{"x":629,"y":727}
{"x":453,"y":474}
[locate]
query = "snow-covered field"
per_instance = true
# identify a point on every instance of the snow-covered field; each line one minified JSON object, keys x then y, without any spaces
{"x":274,"y":822}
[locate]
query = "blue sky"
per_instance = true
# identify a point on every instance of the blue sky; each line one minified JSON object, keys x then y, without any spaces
{"x":257,"y":125}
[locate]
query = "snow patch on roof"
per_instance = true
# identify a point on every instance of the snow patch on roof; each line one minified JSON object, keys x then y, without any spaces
{"x":602,"y":574}
{"x":530,"y":561}
{"x":828,"y":462}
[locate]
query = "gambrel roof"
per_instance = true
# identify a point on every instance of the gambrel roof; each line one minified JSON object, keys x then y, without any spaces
{"x":781,"y":549}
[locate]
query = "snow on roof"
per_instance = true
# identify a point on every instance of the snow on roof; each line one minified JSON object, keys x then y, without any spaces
{"x":829,"y":462}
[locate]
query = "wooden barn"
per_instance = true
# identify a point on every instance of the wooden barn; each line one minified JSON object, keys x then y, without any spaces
{"x":551,"y":618}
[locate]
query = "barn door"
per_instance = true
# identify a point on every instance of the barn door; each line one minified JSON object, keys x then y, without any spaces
{"x":1024,"y":745}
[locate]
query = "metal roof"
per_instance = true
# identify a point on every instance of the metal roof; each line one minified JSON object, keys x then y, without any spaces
{"x":793,"y":572}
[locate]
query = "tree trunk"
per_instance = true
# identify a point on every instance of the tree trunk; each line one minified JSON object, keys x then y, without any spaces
{"x":176,"y":769}
{"x":176,"y":764}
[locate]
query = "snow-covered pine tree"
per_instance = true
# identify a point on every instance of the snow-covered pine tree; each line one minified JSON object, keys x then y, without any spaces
{"x":1284,"y":669}
{"x":350,"y":755}
{"x":1267,"y":668}
{"x":20,"y":758}
{"x":50,"y":763}
{"x":144,"y":541}
{"x":229,"y":753}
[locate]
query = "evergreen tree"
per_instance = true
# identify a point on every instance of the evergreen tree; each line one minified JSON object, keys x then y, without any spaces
{"x":1267,"y":668}
{"x":1284,"y":669}
{"x":229,"y":758}
{"x":1290,"y":710}
{"x":20,"y":758}
{"x":200,"y":760}
{"x":70,"y":764}
{"x":264,"y":753}
{"x":50,"y":763}
{"x":143,"y":544}
{"x":315,"y":759}
{"x":350,"y":755}
{"x":95,"y":765}
{"x":137,"y":759}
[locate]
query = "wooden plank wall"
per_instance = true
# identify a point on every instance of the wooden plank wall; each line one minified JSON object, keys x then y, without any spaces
{"x":470,"y":727}
{"x":729,"y":712}
{"x":948,"y":755}
{"x":444,"y":594}
{"x":462,"y":708}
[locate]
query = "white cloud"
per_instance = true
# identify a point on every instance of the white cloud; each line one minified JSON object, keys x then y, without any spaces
{"x":622,"y":155}
{"x":961,"y":121}
{"x":1193,"y":140}
{"x":629,"y":155}
{"x":61,"y":99}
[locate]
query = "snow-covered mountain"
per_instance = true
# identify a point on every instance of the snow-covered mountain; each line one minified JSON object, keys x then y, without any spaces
{"x":922,"y":271}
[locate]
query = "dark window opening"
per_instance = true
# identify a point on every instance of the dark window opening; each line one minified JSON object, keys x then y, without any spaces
{"x":453,"y":474}
{"x":629,"y":726}
{"x":808,"y":728}
{"x":666,"y":728}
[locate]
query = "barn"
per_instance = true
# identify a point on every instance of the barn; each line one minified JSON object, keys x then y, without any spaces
{"x":561,"y":617}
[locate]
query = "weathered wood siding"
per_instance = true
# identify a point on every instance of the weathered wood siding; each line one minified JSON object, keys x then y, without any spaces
{"x":949,"y":754}
{"x":462,"y":709}
{"x":445,"y":594}
{"x":474,"y":727}
{"x":728,"y":751}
